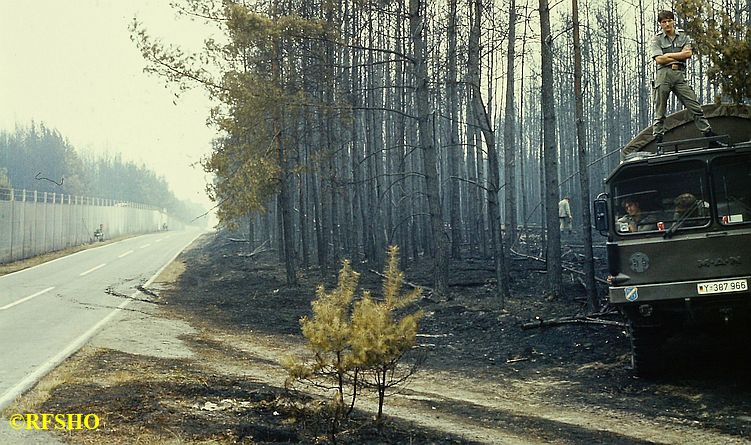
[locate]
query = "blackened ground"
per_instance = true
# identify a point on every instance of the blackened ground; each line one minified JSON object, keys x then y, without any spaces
{"x":581,"y":370}
{"x":468,"y":332}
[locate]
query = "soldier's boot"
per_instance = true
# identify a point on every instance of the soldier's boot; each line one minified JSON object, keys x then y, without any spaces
{"x":713,"y":144}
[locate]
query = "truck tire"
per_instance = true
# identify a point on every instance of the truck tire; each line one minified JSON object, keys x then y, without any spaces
{"x":646,"y":350}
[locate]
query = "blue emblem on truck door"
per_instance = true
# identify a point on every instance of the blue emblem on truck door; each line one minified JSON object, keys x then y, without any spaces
{"x":632,"y":293}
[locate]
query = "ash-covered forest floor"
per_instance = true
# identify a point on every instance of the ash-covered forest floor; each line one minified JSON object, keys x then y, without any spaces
{"x":484,"y":379}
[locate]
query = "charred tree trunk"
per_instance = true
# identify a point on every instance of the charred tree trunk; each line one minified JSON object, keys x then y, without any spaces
{"x":303,"y":193}
{"x":476,"y":163}
{"x":454,"y":149}
{"x":403,"y":217}
{"x":474,"y":206}
{"x":509,"y":122}
{"x":589,"y":265}
{"x":551,"y":156}
{"x":418,"y":25}
{"x":643,"y":93}
{"x":521,"y":142}
{"x":483,"y":121}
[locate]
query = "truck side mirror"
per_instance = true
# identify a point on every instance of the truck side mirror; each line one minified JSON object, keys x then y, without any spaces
{"x":600,"y":207}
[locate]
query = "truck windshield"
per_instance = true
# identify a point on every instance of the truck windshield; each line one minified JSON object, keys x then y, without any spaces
{"x":654,"y":198}
{"x":732,"y":188}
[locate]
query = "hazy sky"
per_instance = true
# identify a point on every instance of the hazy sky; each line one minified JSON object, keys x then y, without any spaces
{"x":72,"y":65}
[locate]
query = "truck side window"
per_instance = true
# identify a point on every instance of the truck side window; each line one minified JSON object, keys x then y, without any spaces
{"x":732,"y":188}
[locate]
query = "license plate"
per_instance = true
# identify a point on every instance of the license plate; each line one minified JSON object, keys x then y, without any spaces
{"x":718,"y":287}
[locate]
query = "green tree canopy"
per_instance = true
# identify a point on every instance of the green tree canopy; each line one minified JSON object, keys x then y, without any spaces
{"x":725,"y":40}
{"x":37,"y":151}
{"x":255,"y":76}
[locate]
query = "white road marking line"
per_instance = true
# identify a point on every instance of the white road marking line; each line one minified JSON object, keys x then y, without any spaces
{"x":80,"y":252}
{"x":159,"y":240}
{"x":125,"y":254}
{"x":43,"y":369}
{"x":8,"y":306}
{"x":92,"y":270}
{"x":145,"y":246}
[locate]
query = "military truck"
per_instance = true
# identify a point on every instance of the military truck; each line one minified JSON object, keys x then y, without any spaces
{"x":677,"y":216}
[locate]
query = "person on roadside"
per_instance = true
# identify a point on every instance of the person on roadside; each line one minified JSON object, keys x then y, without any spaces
{"x":635,"y":220}
{"x":99,"y":233}
{"x":670,"y":49}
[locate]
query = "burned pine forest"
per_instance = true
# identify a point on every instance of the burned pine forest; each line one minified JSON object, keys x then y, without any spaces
{"x":451,"y":129}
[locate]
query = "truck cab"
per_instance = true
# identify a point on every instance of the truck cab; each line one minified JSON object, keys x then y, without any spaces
{"x":678,"y":223}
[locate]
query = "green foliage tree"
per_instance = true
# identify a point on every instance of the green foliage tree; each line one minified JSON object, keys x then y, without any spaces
{"x":329,"y":331}
{"x":34,"y":152}
{"x":38,"y":151}
{"x":255,"y":77}
{"x":368,"y":338}
{"x":380,"y":338}
{"x":725,"y":40}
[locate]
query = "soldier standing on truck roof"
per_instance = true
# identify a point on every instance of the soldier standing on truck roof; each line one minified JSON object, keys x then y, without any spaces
{"x":671,"y":49}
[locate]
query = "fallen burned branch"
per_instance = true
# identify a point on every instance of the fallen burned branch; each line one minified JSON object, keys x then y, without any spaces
{"x":570,"y":269}
{"x":604,"y":313}
{"x":489,"y":268}
{"x":412,"y":285}
{"x":472,"y":283}
{"x":252,"y":254}
{"x":255,"y":251}
{"x":578,"y":319}
{"x":148,"y":292}
{"x":107,"y":306}
{"x":114,"y":293}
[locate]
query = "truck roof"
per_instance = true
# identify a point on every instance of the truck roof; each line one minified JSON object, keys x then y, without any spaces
{"x":682,"y":149}
{"x":726,"y":119}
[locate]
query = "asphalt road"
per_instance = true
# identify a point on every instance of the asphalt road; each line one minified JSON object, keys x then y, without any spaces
{"x":49,"y":311}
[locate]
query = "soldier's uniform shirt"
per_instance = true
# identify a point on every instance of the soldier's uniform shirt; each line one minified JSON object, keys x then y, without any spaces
{"x":673,"y":78}
{"x":628,"y":223}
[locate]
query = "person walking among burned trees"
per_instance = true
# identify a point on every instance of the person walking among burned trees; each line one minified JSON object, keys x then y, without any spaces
{"x":670,"y":49}
{"x":564,"y":216}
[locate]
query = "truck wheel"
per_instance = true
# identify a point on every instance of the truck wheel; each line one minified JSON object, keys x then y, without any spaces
{"x":646,"y":350}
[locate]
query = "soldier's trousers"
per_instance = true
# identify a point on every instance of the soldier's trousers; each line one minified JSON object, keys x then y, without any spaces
{"x":675,"y":80}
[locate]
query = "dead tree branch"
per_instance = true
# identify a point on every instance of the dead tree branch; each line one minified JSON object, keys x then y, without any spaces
{"x":570,"y":269}
{"x":255,"y":251}
{"x":412,"y":285}
{"x":578,"y":319}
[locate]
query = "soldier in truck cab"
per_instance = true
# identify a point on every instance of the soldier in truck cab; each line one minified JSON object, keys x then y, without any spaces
{"x":635,"y":220}
{"x":670,"y":49}
{"x":687,"y":206}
